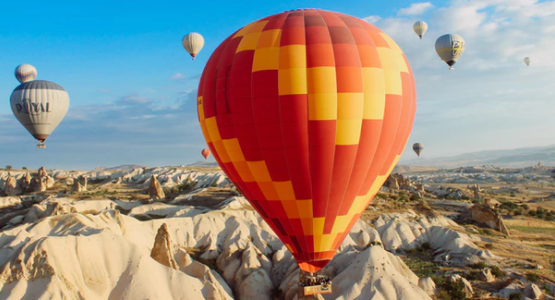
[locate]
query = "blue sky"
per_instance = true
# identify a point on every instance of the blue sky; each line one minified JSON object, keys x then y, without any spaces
{"x":132,"y":86}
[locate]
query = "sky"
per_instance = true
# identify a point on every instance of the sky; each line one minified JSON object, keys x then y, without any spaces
{"x":133,"y":87}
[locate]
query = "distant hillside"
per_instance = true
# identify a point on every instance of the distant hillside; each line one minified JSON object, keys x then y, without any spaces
{"x":515,"y":158}
{"x":119,"y":168}
{"x":204,"y":164}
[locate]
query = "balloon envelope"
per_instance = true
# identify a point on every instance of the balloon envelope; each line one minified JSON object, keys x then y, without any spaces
{"x":420,"y":28}
{"x":25,"y":73}
{"x":40,"y":106}
{"x":193,"y":43}
{"x":527,"y":61}
{"x":418,"y":147}
{"x":449,"y":48}
{"x":307,"y":112}
{"x":205,"y":153}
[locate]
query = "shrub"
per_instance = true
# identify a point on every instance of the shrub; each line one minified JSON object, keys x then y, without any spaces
{"x":488,"y":246}
{"x":525,"y":206}
{"x":515,"y":296}
{"x":473,"y":275}
{"x":533,"y":277}
{"x":478,"y":265}
{"x":425,"y":246}
{"x":8,"y":167}
{"x":497,"y":272}
{"x":518,"y":212}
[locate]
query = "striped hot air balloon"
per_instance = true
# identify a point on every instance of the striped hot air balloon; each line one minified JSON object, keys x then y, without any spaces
{"x":25,"y":73}
{"x":307,"y":112}
{"x":193,"y":43}
{"x":418,"y":147}
{"x":40,"y":106}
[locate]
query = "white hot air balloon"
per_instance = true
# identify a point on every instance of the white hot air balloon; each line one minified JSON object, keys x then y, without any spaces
{"x":420,"y":28}
{"x":193,"y":43}
{"x":527,"y":60}
{"x":25,"y":73}
{"x":40,"y":106}
{"x":449,"y":48}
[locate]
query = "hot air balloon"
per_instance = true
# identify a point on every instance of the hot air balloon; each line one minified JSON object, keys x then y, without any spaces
{"x":25,"y":73}
{"x":553,"y":173}
{"x":527,"y":61}
{"x":193,"y":43}
{"x":420,"y":28}
{"x":418,"y":147}
{"x":307,"y":112}
{"x":205,"y":153}
{"x":450,"y":47}
{"x":40,"y":106}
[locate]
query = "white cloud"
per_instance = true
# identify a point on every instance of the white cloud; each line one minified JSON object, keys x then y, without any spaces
{"x":372,"y":19}
{"x":177,"y":77}
{"x":415,"y":9}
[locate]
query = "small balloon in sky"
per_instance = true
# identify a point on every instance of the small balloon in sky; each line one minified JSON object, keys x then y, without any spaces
{"x":420,"y":28}
{"x":25,"y":73}
{"x":418,"y":147}
{"x":449,"y":48}
{"x":193,"y":43}
{"x":527,"y":61}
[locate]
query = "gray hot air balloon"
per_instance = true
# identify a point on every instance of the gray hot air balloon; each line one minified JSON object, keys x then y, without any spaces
{"x":527,"y":61}
{"x":418,"y":147}
{"x":40,"y":106}
{"x":449,"y":48}
{"x":25,"y":73}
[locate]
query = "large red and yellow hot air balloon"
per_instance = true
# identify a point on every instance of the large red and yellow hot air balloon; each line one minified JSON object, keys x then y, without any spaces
{"x":307,"y":112}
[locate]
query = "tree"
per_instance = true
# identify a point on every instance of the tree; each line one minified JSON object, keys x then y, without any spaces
{"x":8,"y":167}
{"x":24,"y":168}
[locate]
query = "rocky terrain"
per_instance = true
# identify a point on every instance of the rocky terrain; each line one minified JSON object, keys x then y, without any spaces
{"x":186,"y":233}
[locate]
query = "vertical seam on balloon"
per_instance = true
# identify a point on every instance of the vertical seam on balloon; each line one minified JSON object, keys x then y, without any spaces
{"x":336,"y":123}
{"x":257,"y":134}
{"x":383,"y":118}
{"x":360,"y":135}
{"x":285,"y":152}
{"x":308,"y":135}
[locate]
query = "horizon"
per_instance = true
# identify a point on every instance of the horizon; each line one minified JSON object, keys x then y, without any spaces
{"x":132,"y":86}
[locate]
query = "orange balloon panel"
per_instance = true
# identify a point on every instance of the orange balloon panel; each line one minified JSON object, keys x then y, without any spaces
{"x":205,"y":153}
{"x":307,"y":112}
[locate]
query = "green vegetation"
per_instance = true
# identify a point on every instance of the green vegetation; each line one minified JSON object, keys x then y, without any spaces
{"x":419,"y":260}
{"x":8,"y":167}
{"x":533,"y":277}
{"x":515,"y":296}
{"x":448,"y":290}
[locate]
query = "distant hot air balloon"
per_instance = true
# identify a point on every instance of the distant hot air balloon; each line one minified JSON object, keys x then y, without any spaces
{"x":40,"y":106}
{"x":553,"y":173}
{"x":527,"y":61}
{"x":420,"y":28}
{"x":450,"y":47}
{"x":307,"y":112}
{"x":418,"y":147}
{"x":193,"y":43}
{"x":205,"y":152}
{"x":25,"y":73}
